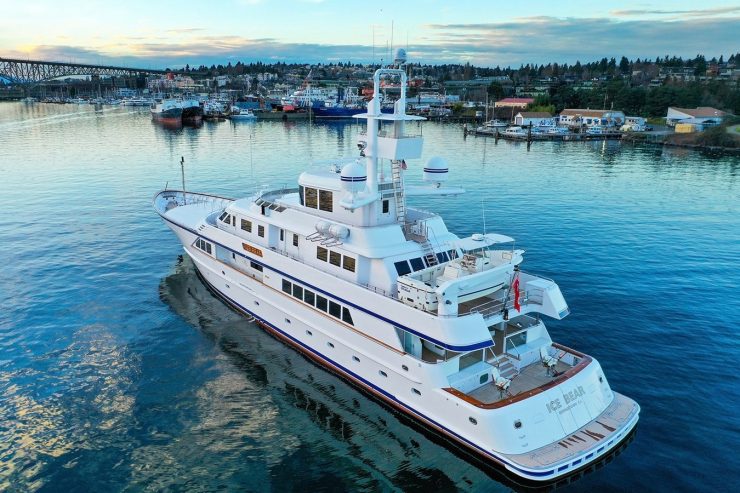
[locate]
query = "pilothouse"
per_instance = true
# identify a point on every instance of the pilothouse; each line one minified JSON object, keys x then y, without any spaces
{"x":449,"y":330}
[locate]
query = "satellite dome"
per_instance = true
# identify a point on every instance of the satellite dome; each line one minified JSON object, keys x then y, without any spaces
{"x":400,"y":56}
{"x":436,"y":170}
{"x":354,"y":177}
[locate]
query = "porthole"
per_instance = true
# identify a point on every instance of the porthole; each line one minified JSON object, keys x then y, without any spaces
{"x":517,"y":424}
{"x":256,"y":302}
{"x":473,"y":420}
{"x":355,"y":358}
{"x":405,"y":368}
{"x":287,"y":320}
{"x":601,"y":379}
{"x":309,"y":332}
{"x":383,"y":374}
{"x":415,"y":391}
{"x":330,"y":345}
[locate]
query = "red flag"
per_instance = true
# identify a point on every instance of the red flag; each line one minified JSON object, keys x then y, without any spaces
{"x":403,"y":164}
{"x":515,"y":287}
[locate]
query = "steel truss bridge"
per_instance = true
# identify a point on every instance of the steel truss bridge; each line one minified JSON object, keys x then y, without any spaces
{"x":30,"y":72}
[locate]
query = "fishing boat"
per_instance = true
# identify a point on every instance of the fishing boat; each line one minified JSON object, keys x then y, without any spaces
{"x":192,"y":111}
{"x":167,"y":111}
{"x":449,"y":330}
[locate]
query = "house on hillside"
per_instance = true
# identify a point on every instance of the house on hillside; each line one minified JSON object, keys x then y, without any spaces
{"x":534,"y":118}
{"x":591,"y":118}
{"x":703,"y":115}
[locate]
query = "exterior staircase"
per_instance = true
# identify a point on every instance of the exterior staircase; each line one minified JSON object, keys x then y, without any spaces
{"x":506,"y":367}
{"x":398,"y":192}
{"x":418,"y":236}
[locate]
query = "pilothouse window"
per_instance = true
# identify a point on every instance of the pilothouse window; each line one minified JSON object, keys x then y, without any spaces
{"x":402,"y":267}
{"x":335,"y":258}
{"x":311,"y":198}
{"x":325,"y":201}
{"x":247,"y":225}
{"x":417,"y":263}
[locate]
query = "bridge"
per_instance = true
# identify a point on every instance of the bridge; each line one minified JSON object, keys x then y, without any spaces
{"x":31,"y":72}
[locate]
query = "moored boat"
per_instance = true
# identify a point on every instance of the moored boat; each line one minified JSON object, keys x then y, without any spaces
{"x":167,"y":111}
{"x":192,"y":111}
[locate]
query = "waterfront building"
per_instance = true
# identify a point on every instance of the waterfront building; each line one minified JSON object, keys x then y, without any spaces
{"x":703,"y":115}
{"x":591,"y":118}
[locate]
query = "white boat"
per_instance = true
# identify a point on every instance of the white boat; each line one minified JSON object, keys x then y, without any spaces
{"x":496,"y":124}
{"x":136,"y":101}
{"x":238,"y":113}
{"x":515,"y":132}
{"x":596,"y":130}
{"x":448,"y":330}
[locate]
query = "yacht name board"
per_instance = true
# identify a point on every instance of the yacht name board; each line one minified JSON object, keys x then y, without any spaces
{"x":252,"y":249}
{"x":570,"y":398}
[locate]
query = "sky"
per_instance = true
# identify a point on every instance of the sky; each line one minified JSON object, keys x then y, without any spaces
{"x":164,"y":33}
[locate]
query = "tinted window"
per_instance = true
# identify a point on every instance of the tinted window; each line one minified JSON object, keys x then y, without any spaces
{"x":256,"y":266}
{"x":321,"y":302}
{"x":346,"y":315}
{"x":335,"y":310}
{"x":295,"y":240}
{"x":335,"y":258}
{"x":349,"y":263}
{"x":402,"y":268}
{"x":325,"y":198}
{"x":416,"y":263}
{"x":261,"y":231}
{"x":308,"y":297}
{"x":297,"y":292}
{"x":311,"y":198}
{"x":322,"y":253}
{"x":247,"y":225}
{"x":386,"y":206}
{"x":286,"y":286}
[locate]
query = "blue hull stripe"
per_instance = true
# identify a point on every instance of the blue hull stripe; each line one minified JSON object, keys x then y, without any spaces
{"x":470,"y":347}
{"x":377,"y":389}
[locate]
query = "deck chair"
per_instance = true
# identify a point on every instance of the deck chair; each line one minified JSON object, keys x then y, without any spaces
{"x":548,"y":361}
{"x":501,"y":383}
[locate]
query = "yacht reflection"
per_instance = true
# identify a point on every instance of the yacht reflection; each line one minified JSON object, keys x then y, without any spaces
{"x":325,"y":409}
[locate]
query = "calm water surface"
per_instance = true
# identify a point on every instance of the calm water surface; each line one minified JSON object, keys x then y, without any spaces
{"x":119,"y":371}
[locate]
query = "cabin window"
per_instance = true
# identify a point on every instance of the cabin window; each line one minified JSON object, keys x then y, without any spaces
{"x":311,"y":198}
{"x":417,"y":263}
{"x":256,"y":266}
{"x":223,"y":215}
{"x":321,"y":303}
{"x":386,"y":206}
{"x":356,"y":359}
{"x":416,"y":391}
{"x":402,"y":267}
{"x":516,"y":340}
{"x":233,"y":220}
{"x":282,"y":234}
{"x":346,"y":316}
{"x":349,"y":263}
{"x":300,"y":194}
{"x":335,"y":310}
{"x":295,"y":240}
{"x":322,"y":253}
{"x":308,"y":332}
{"x":297,"y":292}
{"x":308,"y":296}
{"x":335,"y":258}
{"x":325,"y":201}
{"x":261,"y":231}
{"x":286,"y":286}
{"x":452,"y":254}
{"x":331,"y":345}
{"x":441,"y":257}
{"x":382,"y":373}
{"x":247,"y":225}
{"x":469,"y":359}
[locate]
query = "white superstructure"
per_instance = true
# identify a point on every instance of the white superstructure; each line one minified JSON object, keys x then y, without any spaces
{"x":446,"y":329}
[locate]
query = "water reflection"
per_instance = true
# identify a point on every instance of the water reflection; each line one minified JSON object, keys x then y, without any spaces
{"x":277,"y":394}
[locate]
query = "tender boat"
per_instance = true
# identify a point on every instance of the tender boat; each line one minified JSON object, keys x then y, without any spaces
{"x":515,"y":132}
{"x":448,"y":330}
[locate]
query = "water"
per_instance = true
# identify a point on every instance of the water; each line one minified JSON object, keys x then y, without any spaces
{"x":118,"y":371}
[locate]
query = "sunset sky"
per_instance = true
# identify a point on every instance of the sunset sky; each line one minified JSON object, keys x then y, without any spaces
{"x":172,"y":33}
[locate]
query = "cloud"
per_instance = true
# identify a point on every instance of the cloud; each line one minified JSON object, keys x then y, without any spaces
{"x":535,"y":39}
{"x":697,"y":12}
